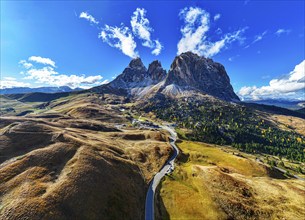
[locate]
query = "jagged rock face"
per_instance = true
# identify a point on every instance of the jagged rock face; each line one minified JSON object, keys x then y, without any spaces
{"x":190,"y":71}
{"x":137,"y":76}
{"x":156,"y":72}
{"x":189,"y":74}
{"x":135,"y":72}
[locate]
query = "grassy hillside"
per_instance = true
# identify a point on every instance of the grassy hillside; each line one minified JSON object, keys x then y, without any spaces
{"x":79,"y":157}
{"x":211,"y":182}
{"x":214,"y":121}
{"x":68,"y":160}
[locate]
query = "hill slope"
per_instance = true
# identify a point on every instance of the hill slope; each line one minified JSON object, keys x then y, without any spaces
{"x":71,"y":162}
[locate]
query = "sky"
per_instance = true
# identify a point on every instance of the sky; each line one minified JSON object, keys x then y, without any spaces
{"x":88,"y":43}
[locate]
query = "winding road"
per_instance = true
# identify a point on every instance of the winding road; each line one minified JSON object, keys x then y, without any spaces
{"x":167,"y":168}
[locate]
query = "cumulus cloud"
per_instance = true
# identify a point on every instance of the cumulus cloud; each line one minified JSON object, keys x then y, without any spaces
{"x":10,"y":82}
{"x":216,"y":17}
{"x":140,"y":26}
{"x":41,"y":60}
{"x":281,"y":31}
{"x":25,"y":64}
{"x":88,"y":17}
{"x":142,"y":30}
{"x":194,"y":34}
{"x":47,"y":75}
{"x":290,"y":85}
{"x":121,"y":38}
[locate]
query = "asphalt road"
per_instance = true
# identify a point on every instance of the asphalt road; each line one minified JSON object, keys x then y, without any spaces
{"x":282,"y":170}
{"x":167,"y":168}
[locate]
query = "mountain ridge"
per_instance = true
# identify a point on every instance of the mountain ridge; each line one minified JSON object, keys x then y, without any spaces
{"x":44,"y":89}
{"x":189,"y":74}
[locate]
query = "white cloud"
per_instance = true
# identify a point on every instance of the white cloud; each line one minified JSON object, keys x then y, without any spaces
{"x":246,"y":90}
{"x":194,"y":38}
{"x":88,"y":17}
{"x":282,"y":31}
{"x":47,"y":75}
{"x":9,"y":78}
{"x":42,"y":60}
{"x":10,"y":82}
{"x":121,"y":38}
{"x":216,"y":17}
{"x":291,"y":84}
{"x":142,"y":30}
{"x":158,"y":48}
{"x":140,"y":26}
{"x":105,"y":81}
{"x":25,"y":64}
{"x":259,"y":37}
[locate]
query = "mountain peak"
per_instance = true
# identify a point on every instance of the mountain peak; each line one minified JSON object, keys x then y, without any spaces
{"x":190,"y":54}
{"x":136,"y":63}
{"x":190,"y":71}
{"x":155,"y":71}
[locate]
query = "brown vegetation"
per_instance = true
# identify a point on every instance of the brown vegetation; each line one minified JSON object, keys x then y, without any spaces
{"x":289,"y":123}
{"x":62,"y":166}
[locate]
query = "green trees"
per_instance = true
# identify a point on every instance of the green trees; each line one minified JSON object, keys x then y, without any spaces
{"x":230,"y":124}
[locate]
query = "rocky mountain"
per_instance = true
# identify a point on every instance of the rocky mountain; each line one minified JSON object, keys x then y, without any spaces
{"x":156,"y":72}
{"x":136,"y":78}
{"x":283,"y":103}
{"x":189,"y":74}
{"x":192,"y":72}
{"x":92,"y":154}
{"x":23,"y":90}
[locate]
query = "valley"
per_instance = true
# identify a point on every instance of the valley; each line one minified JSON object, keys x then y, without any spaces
{"x":73,"y":162}
{"x":98,"y":153}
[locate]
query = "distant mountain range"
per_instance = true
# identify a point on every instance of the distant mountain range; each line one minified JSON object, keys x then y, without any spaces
{"x":22,"y":90}
{"x":289,"y":104}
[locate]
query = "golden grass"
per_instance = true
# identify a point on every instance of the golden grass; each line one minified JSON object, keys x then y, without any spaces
{"x":68,"y":167}
{"x":186,"y":197}
{"x":210,"y":182}
{"x":205,"y":154}
{"x":289,"y":123}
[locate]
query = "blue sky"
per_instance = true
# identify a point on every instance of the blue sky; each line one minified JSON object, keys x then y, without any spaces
{"x":84,"y":43}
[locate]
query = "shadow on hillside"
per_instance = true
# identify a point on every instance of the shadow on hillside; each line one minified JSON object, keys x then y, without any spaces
{"x":276,"y":174}
{"x":183,"y":157}
{"x":160,"y":210}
